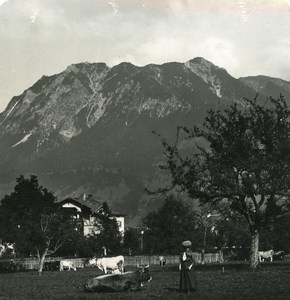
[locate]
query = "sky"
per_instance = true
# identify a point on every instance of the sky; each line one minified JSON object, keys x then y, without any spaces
{"x":43,"y":37}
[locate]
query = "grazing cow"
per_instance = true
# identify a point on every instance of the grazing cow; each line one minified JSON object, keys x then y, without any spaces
{"x":112,"y":263}
{"x":119,"y":282}
{"x":51,"y":265}
{"x":162,"y":261}
{"x":66,"y":264}
{"x":279,"y":255}
{"x":266,"y":255}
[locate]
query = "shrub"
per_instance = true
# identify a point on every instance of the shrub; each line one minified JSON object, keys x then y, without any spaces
{"x":10,"y":266}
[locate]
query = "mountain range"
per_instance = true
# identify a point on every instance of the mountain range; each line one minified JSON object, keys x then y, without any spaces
{"x":89,"y":128}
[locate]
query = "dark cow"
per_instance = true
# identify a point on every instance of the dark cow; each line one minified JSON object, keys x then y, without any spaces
{"x":279,"y":255}
{"x":51,"y":265}
{"x":119,"y":282}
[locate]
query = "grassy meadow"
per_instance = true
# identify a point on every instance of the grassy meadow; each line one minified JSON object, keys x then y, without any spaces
{"x":220,"y":281}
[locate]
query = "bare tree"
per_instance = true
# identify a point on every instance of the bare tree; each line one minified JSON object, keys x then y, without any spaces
{"x":54,"y":232}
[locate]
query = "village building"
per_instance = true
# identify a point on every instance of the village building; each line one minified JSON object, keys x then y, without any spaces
{"x":85,"y":209}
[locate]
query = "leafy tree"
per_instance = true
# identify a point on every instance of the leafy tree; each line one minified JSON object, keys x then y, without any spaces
{"x":169,"y":226}
{"x":277,"y":236}
{"x":30,"y":218}
{"x":229,"y":231}
{"x":107,"y":230}
{"x":246,"y":162}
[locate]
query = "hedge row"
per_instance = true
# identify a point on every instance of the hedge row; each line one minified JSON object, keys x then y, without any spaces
{"x":10,"y":266}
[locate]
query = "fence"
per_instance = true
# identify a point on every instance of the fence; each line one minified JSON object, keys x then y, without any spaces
{"x":171,"y":259}
{"x":32,"y":263}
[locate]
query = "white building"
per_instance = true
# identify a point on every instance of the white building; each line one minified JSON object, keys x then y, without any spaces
{"x":85,"y":209}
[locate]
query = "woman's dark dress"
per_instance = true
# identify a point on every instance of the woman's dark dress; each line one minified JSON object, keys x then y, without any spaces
{"x":187,"y":277}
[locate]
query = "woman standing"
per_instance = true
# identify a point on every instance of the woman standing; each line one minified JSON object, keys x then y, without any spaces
{"x":187,"y":276}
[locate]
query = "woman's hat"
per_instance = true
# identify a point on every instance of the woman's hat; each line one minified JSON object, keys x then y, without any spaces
{"x":186,"y":243}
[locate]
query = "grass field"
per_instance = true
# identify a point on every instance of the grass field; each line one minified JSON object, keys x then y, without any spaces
{"x":235,"y":281}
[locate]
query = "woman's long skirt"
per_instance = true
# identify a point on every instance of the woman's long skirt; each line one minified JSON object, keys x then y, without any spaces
{"x":187,"y":280}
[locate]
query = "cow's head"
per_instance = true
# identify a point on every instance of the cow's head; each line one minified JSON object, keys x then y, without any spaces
{"x":91,"y":262}
{"x":145,"y":273}
{"x":91,"y":285}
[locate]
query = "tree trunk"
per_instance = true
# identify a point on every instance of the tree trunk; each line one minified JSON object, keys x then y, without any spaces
{"x":203,"y":246}
{"x":254,"y":250}
{"x":41,"y":262}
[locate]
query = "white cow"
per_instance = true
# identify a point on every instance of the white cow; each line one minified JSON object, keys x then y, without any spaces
{"x":66,"y":264}
{"x":266,"y":255}
{"x":116,"y":264}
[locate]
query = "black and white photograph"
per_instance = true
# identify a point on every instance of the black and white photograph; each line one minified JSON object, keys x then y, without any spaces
{"x":144,"y":149}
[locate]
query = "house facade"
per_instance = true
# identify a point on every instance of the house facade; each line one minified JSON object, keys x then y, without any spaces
{"x":84,"y":209}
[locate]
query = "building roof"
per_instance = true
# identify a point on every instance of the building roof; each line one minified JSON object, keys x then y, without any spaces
{"x":89,"y":202}
{"x":84,"y":200}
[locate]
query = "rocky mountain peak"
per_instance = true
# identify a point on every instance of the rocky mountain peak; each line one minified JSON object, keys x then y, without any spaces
{"x":203,"y":62}
{"x":208,"y":72}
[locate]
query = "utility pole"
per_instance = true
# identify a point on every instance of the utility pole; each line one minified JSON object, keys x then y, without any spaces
{"x":142,"y":241}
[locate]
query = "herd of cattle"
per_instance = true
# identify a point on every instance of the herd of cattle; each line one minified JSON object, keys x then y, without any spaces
{"x":112,"y":265}
{"x":115,"y":278}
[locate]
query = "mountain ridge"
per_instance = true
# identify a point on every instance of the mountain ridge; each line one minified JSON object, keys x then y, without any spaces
{"x":89,"y":128}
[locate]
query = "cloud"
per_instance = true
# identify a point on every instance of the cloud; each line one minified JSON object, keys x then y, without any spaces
{"x":2,"y":2}
{"x":115,"y":6}
{"x":40,"y":37}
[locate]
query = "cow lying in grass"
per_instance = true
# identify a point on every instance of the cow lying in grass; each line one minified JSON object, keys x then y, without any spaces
{"x":119,"y":282}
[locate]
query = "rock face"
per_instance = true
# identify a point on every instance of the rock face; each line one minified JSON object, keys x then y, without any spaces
{"x":89,"y":128}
